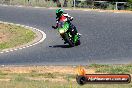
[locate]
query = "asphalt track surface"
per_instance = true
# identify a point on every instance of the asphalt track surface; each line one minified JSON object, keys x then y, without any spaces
{"x":106,"y":38}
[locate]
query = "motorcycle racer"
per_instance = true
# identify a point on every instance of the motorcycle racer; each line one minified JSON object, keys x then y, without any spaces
{"x":62,"y":17}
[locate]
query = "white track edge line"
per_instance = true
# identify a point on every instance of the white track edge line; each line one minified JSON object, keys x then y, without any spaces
{"x":26,"y":46}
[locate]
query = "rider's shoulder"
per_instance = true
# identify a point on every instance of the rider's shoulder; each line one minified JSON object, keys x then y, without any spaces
{"x":65,"y":14}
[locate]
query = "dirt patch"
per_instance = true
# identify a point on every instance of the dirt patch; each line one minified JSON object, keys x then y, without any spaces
{"x":4,"y":35}
{"x":6,"y":80}
{"x":44,"y":73}
{"x":45,"y":69}
{"x":59,"y":79}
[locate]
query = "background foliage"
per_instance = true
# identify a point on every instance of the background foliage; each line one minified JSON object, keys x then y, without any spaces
{"x":69,"y":3}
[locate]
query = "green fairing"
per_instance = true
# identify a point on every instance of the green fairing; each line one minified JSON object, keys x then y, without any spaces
{"x":75,"y":38}
{"x":65,"y":27}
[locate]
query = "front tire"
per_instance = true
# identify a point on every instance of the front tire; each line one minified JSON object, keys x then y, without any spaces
{"x":69,"y":40}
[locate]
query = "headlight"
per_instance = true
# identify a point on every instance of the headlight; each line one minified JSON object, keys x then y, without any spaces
{"x":61,"y":31}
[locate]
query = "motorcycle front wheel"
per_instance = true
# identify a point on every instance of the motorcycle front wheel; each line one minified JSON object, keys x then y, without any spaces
{"x":69,"y":40}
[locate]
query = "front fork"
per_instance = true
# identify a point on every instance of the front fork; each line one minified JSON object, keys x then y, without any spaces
{"x":63,"y":37}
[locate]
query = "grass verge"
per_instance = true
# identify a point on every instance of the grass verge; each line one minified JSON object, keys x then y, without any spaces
{"x":57,"y":76}
{"x":12,"y":36}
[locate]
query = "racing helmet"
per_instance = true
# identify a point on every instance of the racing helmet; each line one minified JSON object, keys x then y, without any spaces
{"x":59,"y":12}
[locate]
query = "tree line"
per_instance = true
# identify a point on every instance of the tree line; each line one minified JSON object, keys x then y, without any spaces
{"x":65,"y":1}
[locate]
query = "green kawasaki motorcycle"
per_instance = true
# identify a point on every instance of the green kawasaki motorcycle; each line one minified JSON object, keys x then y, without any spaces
{"x":70,"y":37}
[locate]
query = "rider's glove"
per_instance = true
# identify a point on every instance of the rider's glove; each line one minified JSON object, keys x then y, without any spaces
{"x":54,"y":27}
{"x":71,"y":18}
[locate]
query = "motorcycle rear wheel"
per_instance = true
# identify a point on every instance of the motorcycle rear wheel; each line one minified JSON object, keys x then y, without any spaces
{"x":78,"y":43}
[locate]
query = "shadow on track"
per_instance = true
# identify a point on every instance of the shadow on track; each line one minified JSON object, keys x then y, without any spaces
{"x":60,"y":46}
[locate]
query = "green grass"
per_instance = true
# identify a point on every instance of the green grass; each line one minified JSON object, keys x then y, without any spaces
{"x":15,"y":36}
{"x":45,"y":75}
{"x":115,"y":69}
{"x":21,"y":80}
{"x":98,"y":65}
{"x":46,"y":84}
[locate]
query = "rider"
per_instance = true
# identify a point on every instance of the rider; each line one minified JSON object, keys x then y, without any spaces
{"x":63,"y":17}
